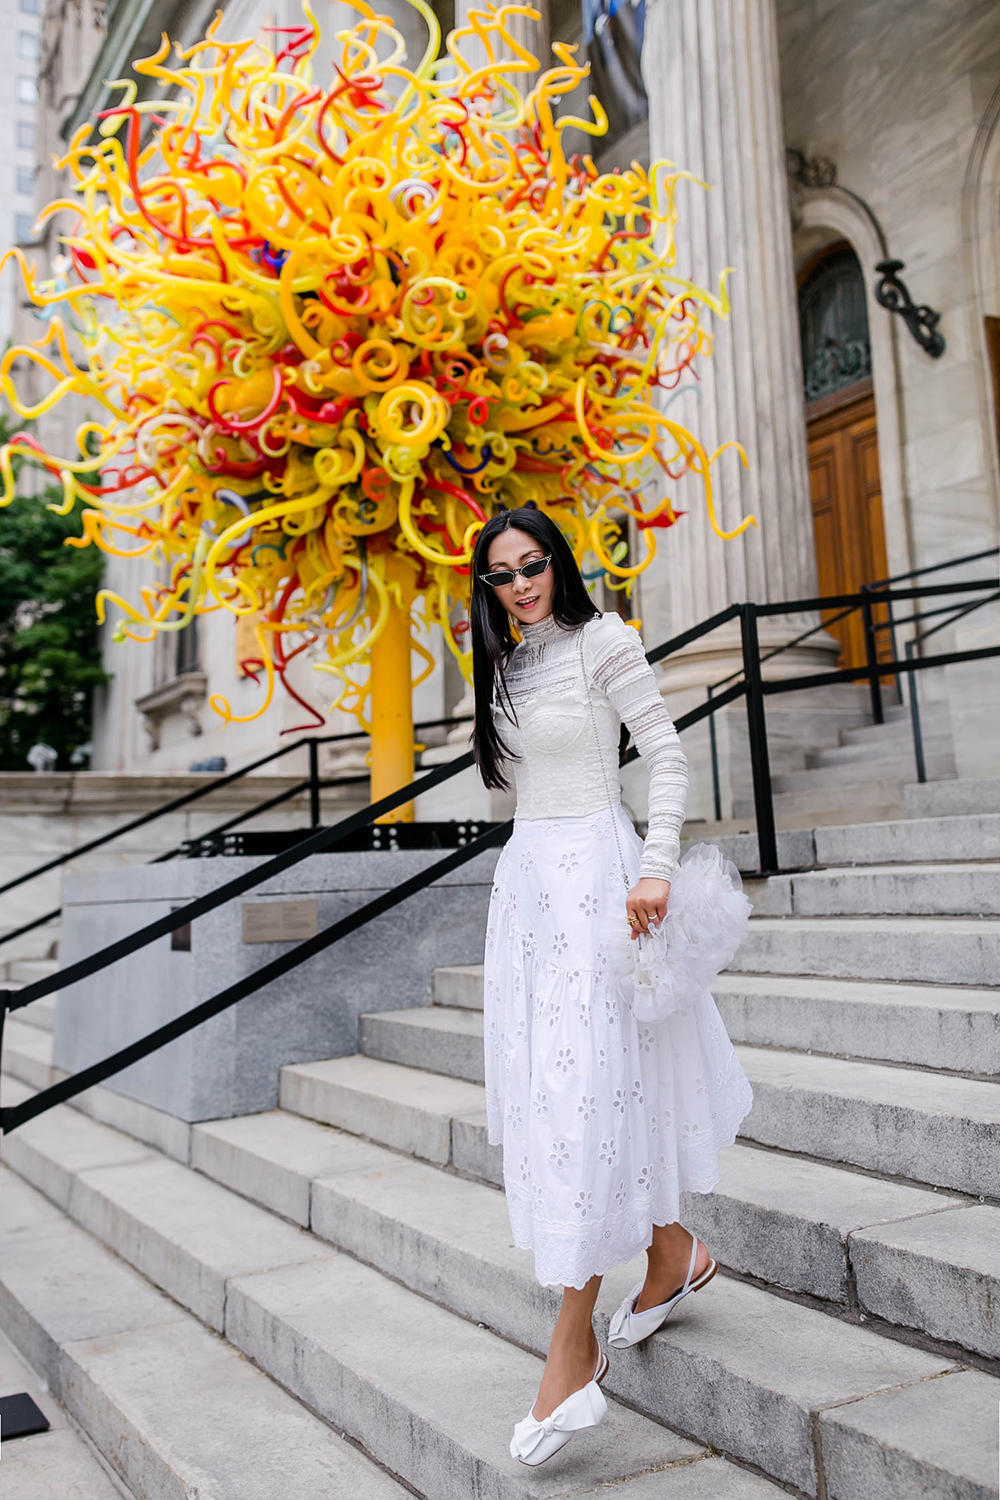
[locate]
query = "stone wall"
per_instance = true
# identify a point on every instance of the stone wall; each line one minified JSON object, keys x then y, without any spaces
{"x":903,"y":97}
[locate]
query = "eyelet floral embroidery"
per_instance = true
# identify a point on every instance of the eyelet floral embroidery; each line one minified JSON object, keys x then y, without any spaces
{"x":565,"y":1059}
{"x":645,"y":1178}
{"x":584,"y":1204}
{"x":560,"y":943}
{"x":620,"y":1101}
{"x":588,"y":905}
{"x":587,"y":1107}
{"x":543,"y":900}
{"x":569,"y":863}
{"x":540,"y":1103}
{"x":609,"y":1152}
{"x":559,"y":1154}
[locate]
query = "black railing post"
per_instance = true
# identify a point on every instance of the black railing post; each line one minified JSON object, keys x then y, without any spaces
{"x":713,"y":746}
{"x":871,"y":657}
{"x":918,"y":737}
{"x":767,"y":840}
{"x":314,"y":814}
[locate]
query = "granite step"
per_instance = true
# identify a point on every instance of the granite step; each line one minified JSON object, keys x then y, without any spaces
{"x":853,"y":767}
{"x":799,"y":1225}
{"x":783,"y":1219}
{"x":918,"y":1125}
{"x":40,"y":1013}
{"x":436,"y":1038}
{"x":432,"y":1405}
{"x":877,"y":799}
{"x":937,"y":1026}
{"x":935,"y":719}
{"x":27,"y":1052}
{"x":721,"y":1368}
{"x":970,"y":836}
{"x":886,"y":756}
{"x":173,"y":1410}
{"x":913,"y":890}
{"x":925,"y":1127}
{"x":57,"y":1463}
{"x":929,"y":950}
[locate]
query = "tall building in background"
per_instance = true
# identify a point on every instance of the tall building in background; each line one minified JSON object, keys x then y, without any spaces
{"x":21,"y":41}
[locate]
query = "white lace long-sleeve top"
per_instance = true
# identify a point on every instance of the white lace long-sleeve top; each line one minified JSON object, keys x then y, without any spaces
{"x":559,"y":773}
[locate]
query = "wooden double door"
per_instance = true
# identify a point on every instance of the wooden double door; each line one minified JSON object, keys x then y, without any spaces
{"x":847,"y":509}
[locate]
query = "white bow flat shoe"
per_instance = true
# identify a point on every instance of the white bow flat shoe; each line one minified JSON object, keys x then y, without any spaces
{"x":536,"y":1439}
{"x":628,"y":1327}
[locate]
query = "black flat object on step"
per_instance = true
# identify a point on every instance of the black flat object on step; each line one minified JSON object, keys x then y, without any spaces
{"x":20,"y":1417}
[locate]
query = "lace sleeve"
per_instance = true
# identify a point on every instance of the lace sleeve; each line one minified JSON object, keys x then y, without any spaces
{"x":620,"y":670}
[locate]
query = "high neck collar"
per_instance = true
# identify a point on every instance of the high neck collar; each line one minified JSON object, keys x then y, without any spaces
{"x":535,"y":631}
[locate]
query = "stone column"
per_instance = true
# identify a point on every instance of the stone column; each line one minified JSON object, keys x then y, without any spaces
{"x":711,"y":70}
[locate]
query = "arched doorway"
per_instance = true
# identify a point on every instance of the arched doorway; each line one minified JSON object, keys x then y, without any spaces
{"x":843,"y":436}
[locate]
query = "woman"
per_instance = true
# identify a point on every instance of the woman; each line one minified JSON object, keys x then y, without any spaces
{"x":604,"y":1120}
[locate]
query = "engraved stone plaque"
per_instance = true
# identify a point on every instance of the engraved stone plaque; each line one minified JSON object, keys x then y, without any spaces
{"x":279,"y":921}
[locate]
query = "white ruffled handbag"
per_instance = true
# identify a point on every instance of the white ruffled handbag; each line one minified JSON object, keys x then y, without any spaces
{"x":707,"y":917}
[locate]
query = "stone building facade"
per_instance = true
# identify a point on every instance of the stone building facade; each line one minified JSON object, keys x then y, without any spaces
{"x":834,"y":138}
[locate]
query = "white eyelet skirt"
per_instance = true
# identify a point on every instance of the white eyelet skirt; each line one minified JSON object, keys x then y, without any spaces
{"x":604,"y":1120}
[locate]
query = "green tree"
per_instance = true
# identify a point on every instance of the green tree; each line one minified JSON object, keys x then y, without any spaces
{"x":50,"y":659}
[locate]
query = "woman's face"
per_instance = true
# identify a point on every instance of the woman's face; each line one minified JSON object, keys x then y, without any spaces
{"x":526,"y":599}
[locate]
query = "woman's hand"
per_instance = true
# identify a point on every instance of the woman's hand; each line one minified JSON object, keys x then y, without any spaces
{"x":648,"y":901}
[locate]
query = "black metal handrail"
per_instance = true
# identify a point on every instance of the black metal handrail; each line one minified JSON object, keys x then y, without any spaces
{"x":865,"y":601}
{"x":752,"y":686}
{"x":313,"y":784}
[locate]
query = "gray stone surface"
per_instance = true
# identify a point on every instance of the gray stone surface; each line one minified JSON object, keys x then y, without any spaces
{"x":273,"y":1158}
{"x":795,"y":847}
{"x":791,"y":1222}
{"x":175,"y":1411}
{"x":182,"y":1414}
{"x":963,"y":796}
{"x":898,"y":890}
{"x":976,"y":836}
{"x":936,"y":1439}
{"x":726,"y":1371}
{"x":54,"y":1146}
{"x":90,"y":1294}
{"x":401,"y":1107}
{"x":27,"y":1053}
{"x":471,"y":1151}
{"x":229,"y":1066}
{"x":938,"y":1026}
{"x":459,"y":984}
{"x":54,"y":1465}
{"x":940,"y":1274}
{"x":433,"y":1405}
{"x":438,"y":1038}
{"x":186,"y":1234}
{"x":935,"y":950}
{"x":900,"y":1121}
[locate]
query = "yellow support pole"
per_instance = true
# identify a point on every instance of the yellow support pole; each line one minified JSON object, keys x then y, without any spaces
{"x":392,"y":700}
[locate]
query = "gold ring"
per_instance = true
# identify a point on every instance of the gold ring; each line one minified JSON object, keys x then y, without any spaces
{"x":632,"y":919}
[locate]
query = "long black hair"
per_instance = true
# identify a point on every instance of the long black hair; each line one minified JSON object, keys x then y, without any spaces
{"x":492,"y":641}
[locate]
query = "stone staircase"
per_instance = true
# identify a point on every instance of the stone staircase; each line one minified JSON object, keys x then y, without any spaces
{"x":874,"y":762}
{"x":325,"y":1297}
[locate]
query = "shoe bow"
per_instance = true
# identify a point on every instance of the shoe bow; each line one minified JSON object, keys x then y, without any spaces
{"x":583,"y":1408}
{"x":621,"y":1319}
